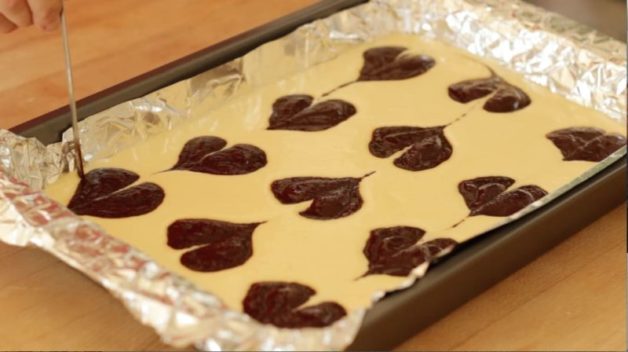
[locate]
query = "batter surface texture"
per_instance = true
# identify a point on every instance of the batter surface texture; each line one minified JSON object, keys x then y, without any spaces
{"x":461,"y":153}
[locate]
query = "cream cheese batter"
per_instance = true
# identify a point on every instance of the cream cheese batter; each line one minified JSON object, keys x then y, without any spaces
{"x":327,"y":255}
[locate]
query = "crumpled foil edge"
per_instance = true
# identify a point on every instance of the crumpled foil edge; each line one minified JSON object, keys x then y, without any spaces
{"x":181,"y":313}
{"x":584,"y":66}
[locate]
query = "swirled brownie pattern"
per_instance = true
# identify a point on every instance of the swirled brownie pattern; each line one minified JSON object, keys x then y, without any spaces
{"x":299,"y":200}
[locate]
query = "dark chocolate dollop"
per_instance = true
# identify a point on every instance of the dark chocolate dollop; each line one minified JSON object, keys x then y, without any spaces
{"x":393,"y":63}
{"x":488,"y":195}
{"x":479,"y":191}
{"x":428,"y":147}
{"x":220,"y":245}
{"x":206,"y":154}
{"x":296,"y":113}
{"x":586,"y":143}
{"x":281,"y":304}
{"x":506,"y":97}
{"x":102,"y":193}
{"x":398,"y":250}
{"x":332,"y":197}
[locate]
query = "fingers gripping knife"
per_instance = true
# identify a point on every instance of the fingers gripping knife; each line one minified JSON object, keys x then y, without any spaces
{"x":70,"y":82}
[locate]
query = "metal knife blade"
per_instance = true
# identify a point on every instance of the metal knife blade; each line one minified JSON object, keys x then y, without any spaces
{"x":72,"y":100}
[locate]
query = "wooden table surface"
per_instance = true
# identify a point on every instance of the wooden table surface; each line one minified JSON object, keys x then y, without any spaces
{"x":571,"y":298}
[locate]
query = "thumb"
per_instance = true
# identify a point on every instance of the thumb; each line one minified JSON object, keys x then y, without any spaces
{"x":46,"y":13}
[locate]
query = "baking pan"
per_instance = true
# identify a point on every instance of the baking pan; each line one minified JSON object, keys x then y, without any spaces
{"x":48,"y":127}
{"x":475,"y":265}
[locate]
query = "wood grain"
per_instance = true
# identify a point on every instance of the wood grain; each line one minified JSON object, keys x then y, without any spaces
{"x":115,"y":40}
{"x":607,"y":16}
{"x":572,"y":298}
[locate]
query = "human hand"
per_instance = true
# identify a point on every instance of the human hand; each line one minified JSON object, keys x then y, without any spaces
{"x":44,"y":14}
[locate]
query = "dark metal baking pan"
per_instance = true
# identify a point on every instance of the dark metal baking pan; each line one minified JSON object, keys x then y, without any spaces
{"x":478,"y":264}
{"x":48,"y":127}
{"x":475,"y":266}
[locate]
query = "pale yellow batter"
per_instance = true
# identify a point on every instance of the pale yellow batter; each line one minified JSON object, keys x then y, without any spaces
{"x":327,"y":255}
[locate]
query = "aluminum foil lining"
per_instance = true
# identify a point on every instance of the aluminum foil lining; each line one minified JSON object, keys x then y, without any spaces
{"x":568,"y":58}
